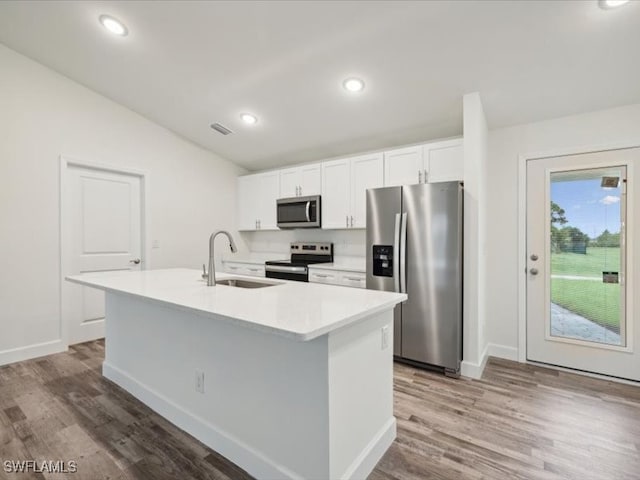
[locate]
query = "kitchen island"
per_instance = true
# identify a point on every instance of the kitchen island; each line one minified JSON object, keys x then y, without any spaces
{"x":292,"y":380}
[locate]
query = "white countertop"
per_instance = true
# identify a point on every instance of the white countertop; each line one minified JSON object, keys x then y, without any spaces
{"x":298,"y":310}
{"x":350,"y":264}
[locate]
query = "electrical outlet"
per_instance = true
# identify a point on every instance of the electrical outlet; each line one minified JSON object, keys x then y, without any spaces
{"x":199,"y":381}
{"x":385,"y":337}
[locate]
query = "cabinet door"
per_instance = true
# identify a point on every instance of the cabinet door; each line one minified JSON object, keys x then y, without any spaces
{"x":367,"y":172}
{"x":336,"y":193}
{"x":311,"y":179}
{"x":402,"y":166}
{"x":269,"y":191}
{"x":247,"y":200}
{"x":444,"y":161}
{"x":289,"y":182}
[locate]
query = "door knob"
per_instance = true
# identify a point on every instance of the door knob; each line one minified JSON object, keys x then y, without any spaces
{"x":533,"y":271}
{"x":135,"y":261}
{"x":534,"y":257}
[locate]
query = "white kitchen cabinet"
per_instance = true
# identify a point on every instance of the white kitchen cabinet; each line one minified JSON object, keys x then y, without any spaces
{"x":429,"y":163}
{"x":323,"y":276}
{"x":300,"y":181}
{"x":253,"y":270}
{"x":344,"y":189}
{"x":444,"y":161}
{"x":338,"y":277}
{"x":403,"y":166}
{"x":336,"y":193}
{"x":257,"y":195}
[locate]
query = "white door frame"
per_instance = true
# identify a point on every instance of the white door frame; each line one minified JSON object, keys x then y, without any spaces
{"x":65,"y":163}
{"x":522,"y":226}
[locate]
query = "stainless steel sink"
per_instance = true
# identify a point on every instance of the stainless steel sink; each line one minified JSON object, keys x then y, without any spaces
{"x":242,"y":283}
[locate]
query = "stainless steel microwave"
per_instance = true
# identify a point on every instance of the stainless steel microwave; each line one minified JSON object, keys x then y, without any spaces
{"x":299,"y":212}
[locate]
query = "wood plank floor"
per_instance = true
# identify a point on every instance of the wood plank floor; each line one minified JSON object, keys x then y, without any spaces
{"x":518,"y":422}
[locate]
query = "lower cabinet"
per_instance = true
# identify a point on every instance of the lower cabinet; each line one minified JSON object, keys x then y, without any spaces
{"x":338,"y":277}
{"x":253,"y":270}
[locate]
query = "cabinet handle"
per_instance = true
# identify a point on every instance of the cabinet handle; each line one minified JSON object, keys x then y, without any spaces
{"x":300,"y":190}
{"x":351,"y":221}
{"x":319,"y":275}
{"x":419,"y":176}
{"x":354,"y":279}
{"x":254,"y":269}
{"x":259,"y":224}
{"x":347,"y":218}
{"x":232,"y":268}
{"x":425,"y":176}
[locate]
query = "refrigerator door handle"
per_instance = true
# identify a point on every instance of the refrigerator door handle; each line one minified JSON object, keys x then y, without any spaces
{"x":396,"y":255}
{"x":403,"y":253}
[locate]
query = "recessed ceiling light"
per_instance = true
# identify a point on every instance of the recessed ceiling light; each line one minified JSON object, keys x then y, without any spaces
{"x":113,"y":25}
{"x":609,"y":4}
{"x":248,"y":118}
{"x":353,"y":85}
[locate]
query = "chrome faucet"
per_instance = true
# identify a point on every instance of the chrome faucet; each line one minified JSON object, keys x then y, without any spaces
{"x":211,"y":277}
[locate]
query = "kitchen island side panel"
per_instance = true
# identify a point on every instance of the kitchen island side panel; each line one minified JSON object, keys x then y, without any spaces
{"x":361,"y":395}
{"x":265,"y":404}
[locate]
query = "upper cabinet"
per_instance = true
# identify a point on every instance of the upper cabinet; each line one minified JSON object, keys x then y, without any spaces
{"x":343,"y":183}
{"x":429,"y":163}
{"x":300,"y":181}
{"x":403,"y":166}
{"x":344,"y":186}
{"x":257,"y":195}
{"x":444,"y":161}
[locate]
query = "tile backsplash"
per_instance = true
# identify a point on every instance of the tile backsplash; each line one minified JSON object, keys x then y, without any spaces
{"x":346,"y":243}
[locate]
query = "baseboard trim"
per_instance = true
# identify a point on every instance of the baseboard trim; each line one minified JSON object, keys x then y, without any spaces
{"x":502,"y":351}
{"x":254,"y":462}
{"x":474,"y":370}
{"x":32,"y":351}
{"x":364,"y":463}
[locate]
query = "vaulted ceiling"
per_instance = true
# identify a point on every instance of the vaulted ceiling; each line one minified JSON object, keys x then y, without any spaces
{"x":188,"y":64}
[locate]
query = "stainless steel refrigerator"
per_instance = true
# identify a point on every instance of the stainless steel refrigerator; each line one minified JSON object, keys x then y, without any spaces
{"x":414,"y":246}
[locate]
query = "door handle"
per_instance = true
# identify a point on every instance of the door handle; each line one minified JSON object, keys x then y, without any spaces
{"x":306,"y":211}
{"x":396,"y":255}
{"x":533,"y":271}
{"x":403,"y":253}
{"x":135,"y":261}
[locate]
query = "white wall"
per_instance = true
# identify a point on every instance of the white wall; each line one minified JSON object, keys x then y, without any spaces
{"x":597,"y":129}
{"x":475,"y":164}
{"x":44,"y":115}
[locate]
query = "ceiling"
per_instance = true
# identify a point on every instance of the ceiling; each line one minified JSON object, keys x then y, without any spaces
{"x":187,"y":64}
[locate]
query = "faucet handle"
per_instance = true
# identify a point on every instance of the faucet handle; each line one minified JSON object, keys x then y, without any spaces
{"x":204,"y":272}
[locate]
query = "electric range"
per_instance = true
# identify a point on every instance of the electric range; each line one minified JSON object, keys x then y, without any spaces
{"x":303,"y":254}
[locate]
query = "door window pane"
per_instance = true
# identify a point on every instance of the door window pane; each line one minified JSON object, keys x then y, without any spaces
{"x":587,"y":241}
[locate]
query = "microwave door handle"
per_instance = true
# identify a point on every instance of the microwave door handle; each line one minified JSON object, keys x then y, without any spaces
{"x":307,"y":211}
{"x":403,"y":253}
{"x":396,"y":255}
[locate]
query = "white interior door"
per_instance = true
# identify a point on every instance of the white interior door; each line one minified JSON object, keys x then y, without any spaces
{"x":581,"y":265}
{"x":102,"y":222}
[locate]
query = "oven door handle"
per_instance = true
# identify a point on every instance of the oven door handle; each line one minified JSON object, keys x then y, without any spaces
{"x":306,"y":211}
{"x":279,"y":268}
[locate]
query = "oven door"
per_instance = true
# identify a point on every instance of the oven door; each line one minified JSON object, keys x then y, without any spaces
{"x":297,"y":273}
{"x":299,"y":212}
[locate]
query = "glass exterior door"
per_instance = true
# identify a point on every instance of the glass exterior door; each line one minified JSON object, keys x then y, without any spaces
{"x":579,"y":245}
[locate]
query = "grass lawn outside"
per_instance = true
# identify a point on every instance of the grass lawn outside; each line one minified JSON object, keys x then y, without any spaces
{"x":596,"y":261}
{"x":594,"y":300}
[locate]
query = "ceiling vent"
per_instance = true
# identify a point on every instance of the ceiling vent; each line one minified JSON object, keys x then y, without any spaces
{"x":221,"y":129}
